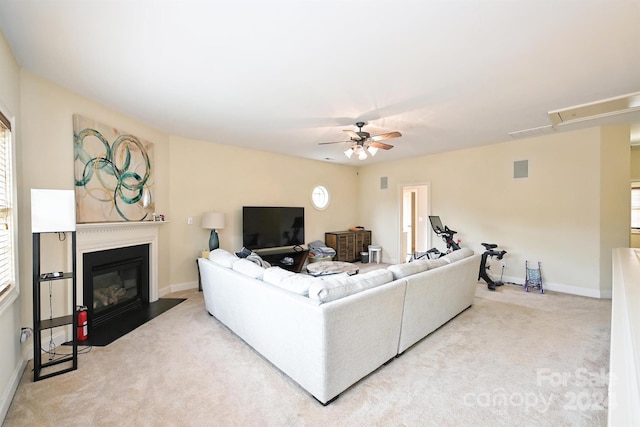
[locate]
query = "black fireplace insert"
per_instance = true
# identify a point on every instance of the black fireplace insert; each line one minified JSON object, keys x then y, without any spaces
{"x":115,"y":281}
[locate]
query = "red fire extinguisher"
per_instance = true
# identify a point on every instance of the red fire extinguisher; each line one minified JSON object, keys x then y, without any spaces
{"x":83,"y":329}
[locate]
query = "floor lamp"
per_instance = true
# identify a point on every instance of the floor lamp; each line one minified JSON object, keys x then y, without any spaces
{"x":53,"y":211}
{"x":213,"y":221}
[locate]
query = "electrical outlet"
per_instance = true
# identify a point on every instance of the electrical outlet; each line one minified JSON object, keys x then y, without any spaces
{"x":190,"y":220}
{"x":25,"y":333}
{"x":504,"y":264}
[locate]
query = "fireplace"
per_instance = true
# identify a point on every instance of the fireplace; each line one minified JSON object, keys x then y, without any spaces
{"x":115,"y":282}
{"x":102,"y":237}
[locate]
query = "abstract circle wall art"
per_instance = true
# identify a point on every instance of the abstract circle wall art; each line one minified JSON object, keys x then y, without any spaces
{"x":114,"y":177}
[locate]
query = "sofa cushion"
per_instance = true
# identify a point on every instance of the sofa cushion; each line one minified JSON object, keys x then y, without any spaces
{"x":458,"y":255}
{"x":407,"y":269}
{"x":331,"y":288}
{"x":275,"y":275}
{"x":292,"y":282}
{"x":436,"y":262}
{"x":248,"y":268}
{"x":298,"y":283}
{"x":223,"y":258}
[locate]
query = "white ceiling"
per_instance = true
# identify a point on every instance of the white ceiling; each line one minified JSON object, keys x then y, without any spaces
{"x":283,"y":76}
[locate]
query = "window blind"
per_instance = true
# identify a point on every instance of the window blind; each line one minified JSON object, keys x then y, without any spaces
{"x":6,"y":200}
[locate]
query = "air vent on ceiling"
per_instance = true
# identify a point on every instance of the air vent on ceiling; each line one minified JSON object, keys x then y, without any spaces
{"x":596,"y":110}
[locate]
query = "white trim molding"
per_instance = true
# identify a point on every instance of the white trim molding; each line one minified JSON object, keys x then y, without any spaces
{"x":12,"y":386}
{"x":102,"y":236}
{"x":556,"y":287}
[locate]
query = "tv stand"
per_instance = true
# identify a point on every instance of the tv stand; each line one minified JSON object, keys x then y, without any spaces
{"x":275,"y":258}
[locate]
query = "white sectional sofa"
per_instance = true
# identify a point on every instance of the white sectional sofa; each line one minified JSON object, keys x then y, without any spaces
{"x":327,"y":333}
{"x":435,"y":296}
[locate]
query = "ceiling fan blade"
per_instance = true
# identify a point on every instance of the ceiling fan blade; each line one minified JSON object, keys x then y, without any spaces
{"x":333,"y":142}
{"x":381,"y":145}
{"x":384,"y":136}
{"x":352,"y":134}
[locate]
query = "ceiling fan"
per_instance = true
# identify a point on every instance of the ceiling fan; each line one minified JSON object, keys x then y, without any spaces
{"x":362,"y":142}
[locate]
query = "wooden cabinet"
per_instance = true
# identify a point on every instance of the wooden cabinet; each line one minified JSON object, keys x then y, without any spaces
{"x":348,"y":244}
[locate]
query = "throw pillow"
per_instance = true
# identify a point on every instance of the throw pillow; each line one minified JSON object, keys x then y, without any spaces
{"x":257,"y":259}
{"x":243,"y":253}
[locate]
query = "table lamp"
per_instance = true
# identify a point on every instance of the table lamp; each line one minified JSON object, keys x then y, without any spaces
{"x":213,"y":221}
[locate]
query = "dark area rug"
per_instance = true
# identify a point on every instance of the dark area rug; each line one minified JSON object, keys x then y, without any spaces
{"x":127,"y":322}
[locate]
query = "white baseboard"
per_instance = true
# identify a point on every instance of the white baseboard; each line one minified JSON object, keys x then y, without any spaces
{"x":10,"y":391}
{"x":558,"y":287}
{"x":606,"y":294}
{"x":164,"y":291}
{"x":576,"y":290}
{"x":59,"y":338}
{"x":185,"y":286}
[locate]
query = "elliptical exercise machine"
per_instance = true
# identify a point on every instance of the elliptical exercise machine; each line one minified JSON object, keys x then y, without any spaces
{"x":482,"y":274}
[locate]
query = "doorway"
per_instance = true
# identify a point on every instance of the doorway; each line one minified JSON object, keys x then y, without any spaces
{"x":414,"y":213}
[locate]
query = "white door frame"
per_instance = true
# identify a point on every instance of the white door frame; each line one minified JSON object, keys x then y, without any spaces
{"x":421,"y":222}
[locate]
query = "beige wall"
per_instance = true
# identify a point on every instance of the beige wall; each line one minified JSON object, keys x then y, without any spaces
{"x":191,"y":177}
{"x":566,"y":214}
{"x":553,"y":216}
{"x":10,"y":310}
{"x":200,"y":176}
{"x":615,"y":203}
{"x":48,"y":161}
{"x":207,"y":176}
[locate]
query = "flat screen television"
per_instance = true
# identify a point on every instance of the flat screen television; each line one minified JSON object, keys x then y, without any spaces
{"x":272,"y":226}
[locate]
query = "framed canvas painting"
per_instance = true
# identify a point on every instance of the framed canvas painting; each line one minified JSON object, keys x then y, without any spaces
{"x":113,"y":174}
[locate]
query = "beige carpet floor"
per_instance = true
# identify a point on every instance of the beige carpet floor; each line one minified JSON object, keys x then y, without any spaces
{"x":513,"y":358}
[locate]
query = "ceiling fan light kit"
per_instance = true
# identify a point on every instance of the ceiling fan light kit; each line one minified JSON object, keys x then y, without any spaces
{"x":361,"y":142}
{"x":361,"y":153}
{"x":348,"y":152}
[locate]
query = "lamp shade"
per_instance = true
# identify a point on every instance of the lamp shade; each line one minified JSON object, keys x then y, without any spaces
{"x":213,"y":220}
{"x":53,"y":211}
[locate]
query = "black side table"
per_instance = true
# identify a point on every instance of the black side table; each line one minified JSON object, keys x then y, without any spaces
{"x":199,"y":278}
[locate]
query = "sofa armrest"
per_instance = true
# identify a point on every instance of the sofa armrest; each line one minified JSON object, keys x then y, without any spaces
{"x":435,"y":296}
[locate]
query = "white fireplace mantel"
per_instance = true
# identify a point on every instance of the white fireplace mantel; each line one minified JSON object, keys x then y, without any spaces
{"x":110,"y":235}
